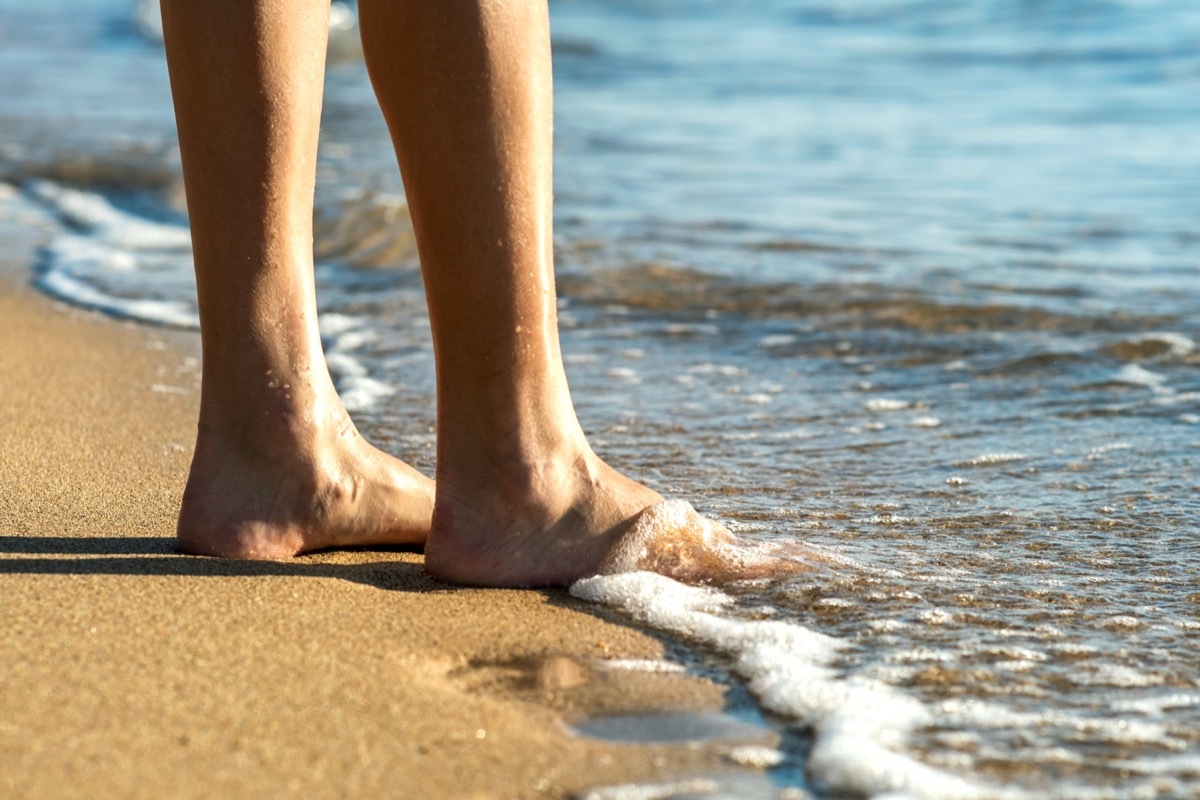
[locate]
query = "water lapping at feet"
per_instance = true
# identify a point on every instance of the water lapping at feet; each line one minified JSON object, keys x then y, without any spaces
{"x":928,"y":334}
{"x":858,"y":725}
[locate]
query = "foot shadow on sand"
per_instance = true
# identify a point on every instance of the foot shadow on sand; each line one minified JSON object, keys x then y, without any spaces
{"x":156,"y":555}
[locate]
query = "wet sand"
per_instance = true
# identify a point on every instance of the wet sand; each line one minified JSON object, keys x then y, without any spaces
{"x":131,"y":671}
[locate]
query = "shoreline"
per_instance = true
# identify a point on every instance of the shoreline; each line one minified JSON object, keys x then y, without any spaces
{"x":134,"y":671}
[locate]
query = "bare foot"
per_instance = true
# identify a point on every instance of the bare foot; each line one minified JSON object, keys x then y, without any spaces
{"x":324,"y":487}
{"x":543,"y":525}
{"x":569,"y":523}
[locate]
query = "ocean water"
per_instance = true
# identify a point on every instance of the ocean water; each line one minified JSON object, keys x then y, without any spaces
{"x":914,"y":284}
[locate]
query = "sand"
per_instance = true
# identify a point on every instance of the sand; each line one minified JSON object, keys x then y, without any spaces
{"x":131,"y":671}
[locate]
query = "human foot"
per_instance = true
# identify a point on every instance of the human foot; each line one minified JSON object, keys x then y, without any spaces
{"x":544,"y":526}
{"x":324,"y":488}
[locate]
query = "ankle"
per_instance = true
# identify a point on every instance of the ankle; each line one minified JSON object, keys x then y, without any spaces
{"x":522,"y":524}
{"x":278,"y":415}
{"x":515,"y":471}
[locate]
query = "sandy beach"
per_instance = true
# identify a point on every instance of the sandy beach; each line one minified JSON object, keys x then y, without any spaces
{"x":905,"y":292}
{"x":131,"y":671}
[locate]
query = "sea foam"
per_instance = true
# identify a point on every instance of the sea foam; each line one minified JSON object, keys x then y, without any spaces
{"x":793,"y":672}
{"x":115,"y":261}
{"x":126,"y":265}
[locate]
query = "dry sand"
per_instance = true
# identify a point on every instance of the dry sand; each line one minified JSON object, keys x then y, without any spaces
{"x":131,"y":671}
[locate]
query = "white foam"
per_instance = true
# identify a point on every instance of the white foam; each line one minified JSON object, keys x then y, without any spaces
{"x":1188,"y":763}
{"x":866,"y":768}
{"x":62,"y":285}
{"x":788,"y":434}
{"x":992,"y":459}
{"x":692,"y":329}
{"x":859,"y":723}
{"x":887,"y":625}
{"x":1158,"y":704}
{"x":659,"y":791}
{"x":626,"y":374}
{"x":919,"y":654}
{"x":359,"y":393}
{"x":936,"y":616}
{"x":754,"y":755}
{"x":341,"y":335}
{"x":886,"y":404}
{"x":1098,"y":452}
{"x":673,"y":537}
{"x":353,"y":339}
{"x":331,"y":324}
{"x":888,"y":519}
{"x":344,"y":365}
{"x":978,"y":713}
{"x":1119,"y":676}
{"x":93,"y":212}
{"x":1137,"y":375}
{"x":717,"y":369}
{"x":114,"y":248}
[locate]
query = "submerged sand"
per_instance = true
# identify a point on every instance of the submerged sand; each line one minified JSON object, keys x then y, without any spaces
{"x":131,"y":671}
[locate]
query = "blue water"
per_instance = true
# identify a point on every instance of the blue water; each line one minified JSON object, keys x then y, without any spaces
{"x":914,"y":282}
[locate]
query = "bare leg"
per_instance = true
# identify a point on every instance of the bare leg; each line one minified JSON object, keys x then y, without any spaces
{"x":279,"y":467}
{"x":465,"y":87}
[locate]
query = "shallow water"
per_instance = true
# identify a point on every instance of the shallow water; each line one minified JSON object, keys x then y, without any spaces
{"x":911,"y":282}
